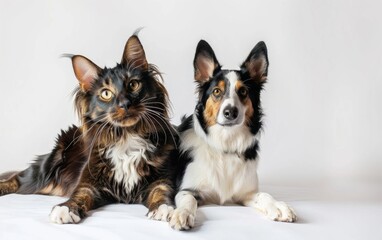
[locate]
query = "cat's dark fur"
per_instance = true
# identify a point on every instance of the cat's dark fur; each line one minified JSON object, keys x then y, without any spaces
{"x":121,"y":152}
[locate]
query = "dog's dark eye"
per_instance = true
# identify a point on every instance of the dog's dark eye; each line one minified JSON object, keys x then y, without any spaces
{"x":216,"y":92}
{"x":134,"y":85}
{"x":243,"y":92}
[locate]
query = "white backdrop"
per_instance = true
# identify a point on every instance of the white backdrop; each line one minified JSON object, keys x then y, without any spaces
{"x":322,"y":101}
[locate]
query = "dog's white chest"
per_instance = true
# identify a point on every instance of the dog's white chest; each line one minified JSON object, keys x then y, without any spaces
{"x":125,"y":157}
{"x":218,"y":176}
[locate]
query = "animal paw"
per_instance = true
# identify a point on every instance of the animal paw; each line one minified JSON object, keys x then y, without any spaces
{"x":182,"y":219}
{"x":162,"y":213}
{"x":280,"y":211}
{"x":62,"y":215}
{"x":7,"y":187}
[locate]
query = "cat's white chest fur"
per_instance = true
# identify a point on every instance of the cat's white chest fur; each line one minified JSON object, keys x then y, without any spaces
{"x":125,"y":157}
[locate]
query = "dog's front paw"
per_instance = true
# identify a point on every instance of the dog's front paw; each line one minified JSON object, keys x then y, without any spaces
{"x":163,"y":213}
{"x":182,"y":219}
{"x":280,"y":211}
{"x":62,"y":215}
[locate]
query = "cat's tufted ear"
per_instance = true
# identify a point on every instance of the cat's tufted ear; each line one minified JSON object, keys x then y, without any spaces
{"x":205,"y":62}
{"x":257,"y":63}
{"x":85,"y":70}
{"x":134,"y":56}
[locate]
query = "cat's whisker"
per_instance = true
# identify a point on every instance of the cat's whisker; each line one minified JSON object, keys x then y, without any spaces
{"x":155,"y":108}
{"x":158,"y":116}
{"x":109,"y":130}
{"x":147,"y":99}
{"x":152,"y":125}
{"x":76,"y":139}
{"x":161,"y":126}
{"x":95,"y":139}
{"x":86,"y":131}
{"x":169,"y":128}
{"x":160,"y":103}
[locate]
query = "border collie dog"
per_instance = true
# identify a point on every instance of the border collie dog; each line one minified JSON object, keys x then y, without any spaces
{"x":219,"y":142}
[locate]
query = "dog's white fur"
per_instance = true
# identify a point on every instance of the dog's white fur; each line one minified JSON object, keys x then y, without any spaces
{"x":219,"y":172}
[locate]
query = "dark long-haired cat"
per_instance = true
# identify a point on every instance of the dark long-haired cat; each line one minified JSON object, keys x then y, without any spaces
{"x":120,"y":153}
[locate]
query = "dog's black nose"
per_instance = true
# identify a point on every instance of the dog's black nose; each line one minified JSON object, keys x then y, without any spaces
{"x":230,"y":113}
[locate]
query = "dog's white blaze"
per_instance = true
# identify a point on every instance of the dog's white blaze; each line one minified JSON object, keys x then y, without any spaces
{"x":217,"y":170}
{"x":125,"y":156}
{"x":232,"y":78}
{"x":232,"y":100}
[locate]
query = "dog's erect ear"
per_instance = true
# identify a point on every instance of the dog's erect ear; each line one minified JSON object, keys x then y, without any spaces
{"x":85,"y":70}
{"x":205,"y":62}
{"x":257,"y":63}
{"x":134,"y":56}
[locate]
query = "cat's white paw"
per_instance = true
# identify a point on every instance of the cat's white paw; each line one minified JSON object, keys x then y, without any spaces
{"x":182,"y":219}
{"x":62,"y":215}
{"x":162,"y":213}
{"x":280,"y":211}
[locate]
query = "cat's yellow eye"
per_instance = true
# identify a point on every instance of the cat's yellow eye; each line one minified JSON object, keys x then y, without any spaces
{"x":217,"y":92}
{"x":106,"y":95}
{"x":134,"y":85}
